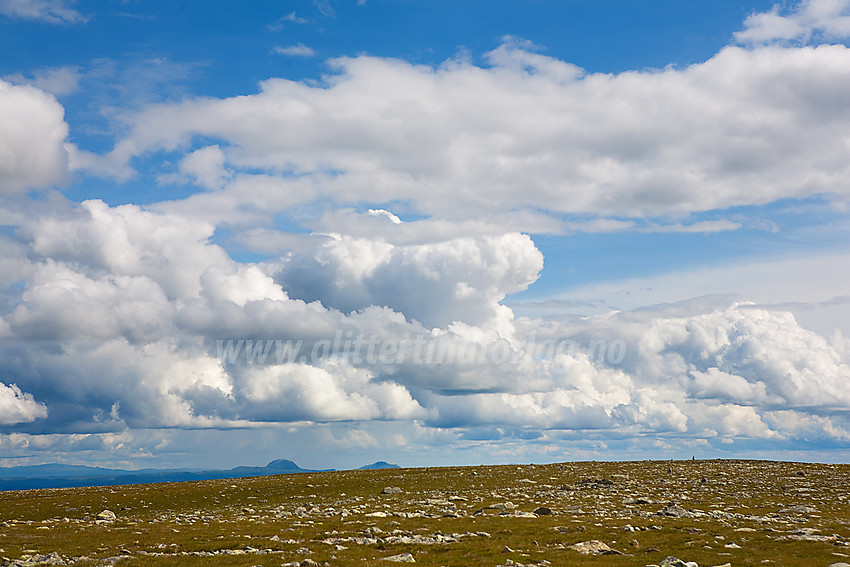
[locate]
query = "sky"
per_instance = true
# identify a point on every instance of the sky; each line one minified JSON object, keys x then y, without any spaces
{"x":431,"y":233}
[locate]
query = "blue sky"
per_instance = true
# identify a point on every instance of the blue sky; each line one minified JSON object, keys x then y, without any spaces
{"x":661,"y":188}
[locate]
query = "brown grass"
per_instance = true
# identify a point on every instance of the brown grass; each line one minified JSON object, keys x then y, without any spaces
{"x":271,"y":520}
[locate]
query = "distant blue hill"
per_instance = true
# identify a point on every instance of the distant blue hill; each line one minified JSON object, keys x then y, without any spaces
{"x":65,"y":476}
{"x":379,"y":465}
{"x":54,"y":470}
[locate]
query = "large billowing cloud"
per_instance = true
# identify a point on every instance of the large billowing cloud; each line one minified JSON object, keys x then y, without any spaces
{"x":124,"y":313}
{"x":463,"y":279}
{"x":461,"y":141}
{"x":32,"y":134}
{"x":682,"y":367}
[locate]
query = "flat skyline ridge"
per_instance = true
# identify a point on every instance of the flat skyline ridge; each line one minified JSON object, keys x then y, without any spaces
{"x":57,"y":470}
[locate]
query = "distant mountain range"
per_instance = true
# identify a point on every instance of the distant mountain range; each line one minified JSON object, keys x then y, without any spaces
{"x":63,"y":476}
{"x":379,"y":465}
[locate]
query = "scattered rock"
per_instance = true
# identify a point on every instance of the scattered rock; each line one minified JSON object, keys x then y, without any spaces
{"x":542,"y":511}
{"x":594,"y":483}
{"x":807,"y":534}
{"x":392,"y":490}
{"x":673,"y":510}
{"x":671,"y":561}
{"x":799,"y":510}
{"x":400,"y":558}
{"x":51,"y":558}
{"x":594,"y":547}
{"x":519,"y":514}
{"x":107,"y":516}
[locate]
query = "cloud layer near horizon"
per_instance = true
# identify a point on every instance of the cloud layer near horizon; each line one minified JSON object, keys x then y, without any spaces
{"x":123,"y":292}
{"x":113,"y":314}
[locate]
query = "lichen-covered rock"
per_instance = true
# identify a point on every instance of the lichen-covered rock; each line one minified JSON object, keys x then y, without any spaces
{"x":107,"y":516}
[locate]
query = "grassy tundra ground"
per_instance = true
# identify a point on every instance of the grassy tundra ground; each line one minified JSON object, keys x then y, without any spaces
{"x":628,"y":513}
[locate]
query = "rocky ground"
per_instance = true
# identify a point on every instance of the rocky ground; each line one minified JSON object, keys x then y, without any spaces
{"x":671,"y":514}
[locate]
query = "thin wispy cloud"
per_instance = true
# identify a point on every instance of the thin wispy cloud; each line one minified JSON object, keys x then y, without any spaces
{"x":291,"y":17}
{"x":47,"y":11}
{"x":325,"y":7}
{"x":298,"y":50}
{"x":59,"y":81}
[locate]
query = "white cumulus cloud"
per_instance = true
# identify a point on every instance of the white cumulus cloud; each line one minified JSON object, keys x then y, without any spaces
{"x":458,"y":141}
{"x":462,"y":279}
{"x":800,"y":22}
{"x":18,"y":407}
{"x":32,"y":134}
